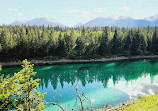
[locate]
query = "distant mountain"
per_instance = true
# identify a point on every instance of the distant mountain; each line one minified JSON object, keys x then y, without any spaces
{"x":152,"y":18}
{"x":43,"y":21}
{"x":121,"y":21}
{"x":79,"y":24}
{"x":16,"y":23}
{"x":38,"y":22}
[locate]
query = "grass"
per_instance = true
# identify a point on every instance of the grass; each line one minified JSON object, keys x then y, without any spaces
{"x":144,"y":103}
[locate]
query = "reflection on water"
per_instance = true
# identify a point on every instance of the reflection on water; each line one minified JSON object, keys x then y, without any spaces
{"x":105,"y":83}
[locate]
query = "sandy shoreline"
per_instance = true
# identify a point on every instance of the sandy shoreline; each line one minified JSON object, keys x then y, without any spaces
{"x":64,"y":61}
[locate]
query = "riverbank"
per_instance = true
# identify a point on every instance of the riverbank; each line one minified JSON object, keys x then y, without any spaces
{"x":142,"y":103}
{"x":65,"y":61}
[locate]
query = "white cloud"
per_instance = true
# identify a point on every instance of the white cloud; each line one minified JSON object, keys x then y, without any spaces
{"x":100,"y":10}
{"x":72,"y":11}
{"x":125,"y":8}
{"x":82,"y":13}
{"x":12,"y":9}
{"x":20,"y":14}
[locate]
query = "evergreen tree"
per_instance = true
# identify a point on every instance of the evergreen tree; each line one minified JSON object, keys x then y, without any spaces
{"x":19,"y":42}
{"x":52,"y":43}
{"x":155,"y":41}
{"x":61,"y":49}
{"x":116,"y":43}
{"x":149,"y":44}
{"x":128,"y":41}
{"x":104,"y":48}
{"x":79,"y":46}
{"x":143,"y":43}
{"x":135,"y":44}
{"x":69,"y":42}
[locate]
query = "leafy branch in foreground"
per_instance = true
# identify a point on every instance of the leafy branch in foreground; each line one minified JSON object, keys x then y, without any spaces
{"x":18,"y":92}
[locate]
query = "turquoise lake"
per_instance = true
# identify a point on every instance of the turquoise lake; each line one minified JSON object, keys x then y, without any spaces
{"x":105,"y":83}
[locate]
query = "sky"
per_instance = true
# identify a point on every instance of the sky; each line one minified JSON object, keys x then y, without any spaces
{"x":71,"y":12}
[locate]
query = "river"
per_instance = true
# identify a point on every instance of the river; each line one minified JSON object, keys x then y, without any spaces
{"x":104,"y":83}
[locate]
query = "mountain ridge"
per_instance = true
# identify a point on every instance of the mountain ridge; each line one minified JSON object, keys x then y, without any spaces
{"x":39,"y":21}
{"x":121,"y":21}
{"x":118,"y":21}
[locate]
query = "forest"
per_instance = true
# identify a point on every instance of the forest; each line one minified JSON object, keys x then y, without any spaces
{"x":34,"y":42}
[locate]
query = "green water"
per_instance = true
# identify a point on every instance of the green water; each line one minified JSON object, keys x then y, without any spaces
{"x":105,"y":83}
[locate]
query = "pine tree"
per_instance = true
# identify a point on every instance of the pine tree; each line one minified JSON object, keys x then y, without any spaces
{"x":52,"y":42}
{"x":155,"y":41}
{"x":149,"y":44}
{"x":104,"y":48}
{"x":128,"y":41}
{"x":79,"y":46}
{"x":143,"y":43}
{"x":69,"y":42}
{"x":61,"y":49}
{"x":116,"y":44}
{"x":135,"y":44}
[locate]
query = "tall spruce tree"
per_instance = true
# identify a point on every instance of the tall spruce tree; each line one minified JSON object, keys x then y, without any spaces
{"x":135,"y":44}
{"x":104,"y":48}
{"x":61,"y":49}
{"x":155,"y":41}
{"x":128,"y":41}
{"x":116,"y":44}
{"x":79,"y":46}
{"x":143,"y":43}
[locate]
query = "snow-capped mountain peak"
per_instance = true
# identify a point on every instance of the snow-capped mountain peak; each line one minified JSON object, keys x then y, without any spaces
{"x":152,"y":18}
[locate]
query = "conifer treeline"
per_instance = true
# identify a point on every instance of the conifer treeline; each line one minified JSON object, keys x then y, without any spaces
{"x":20,"y":42}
